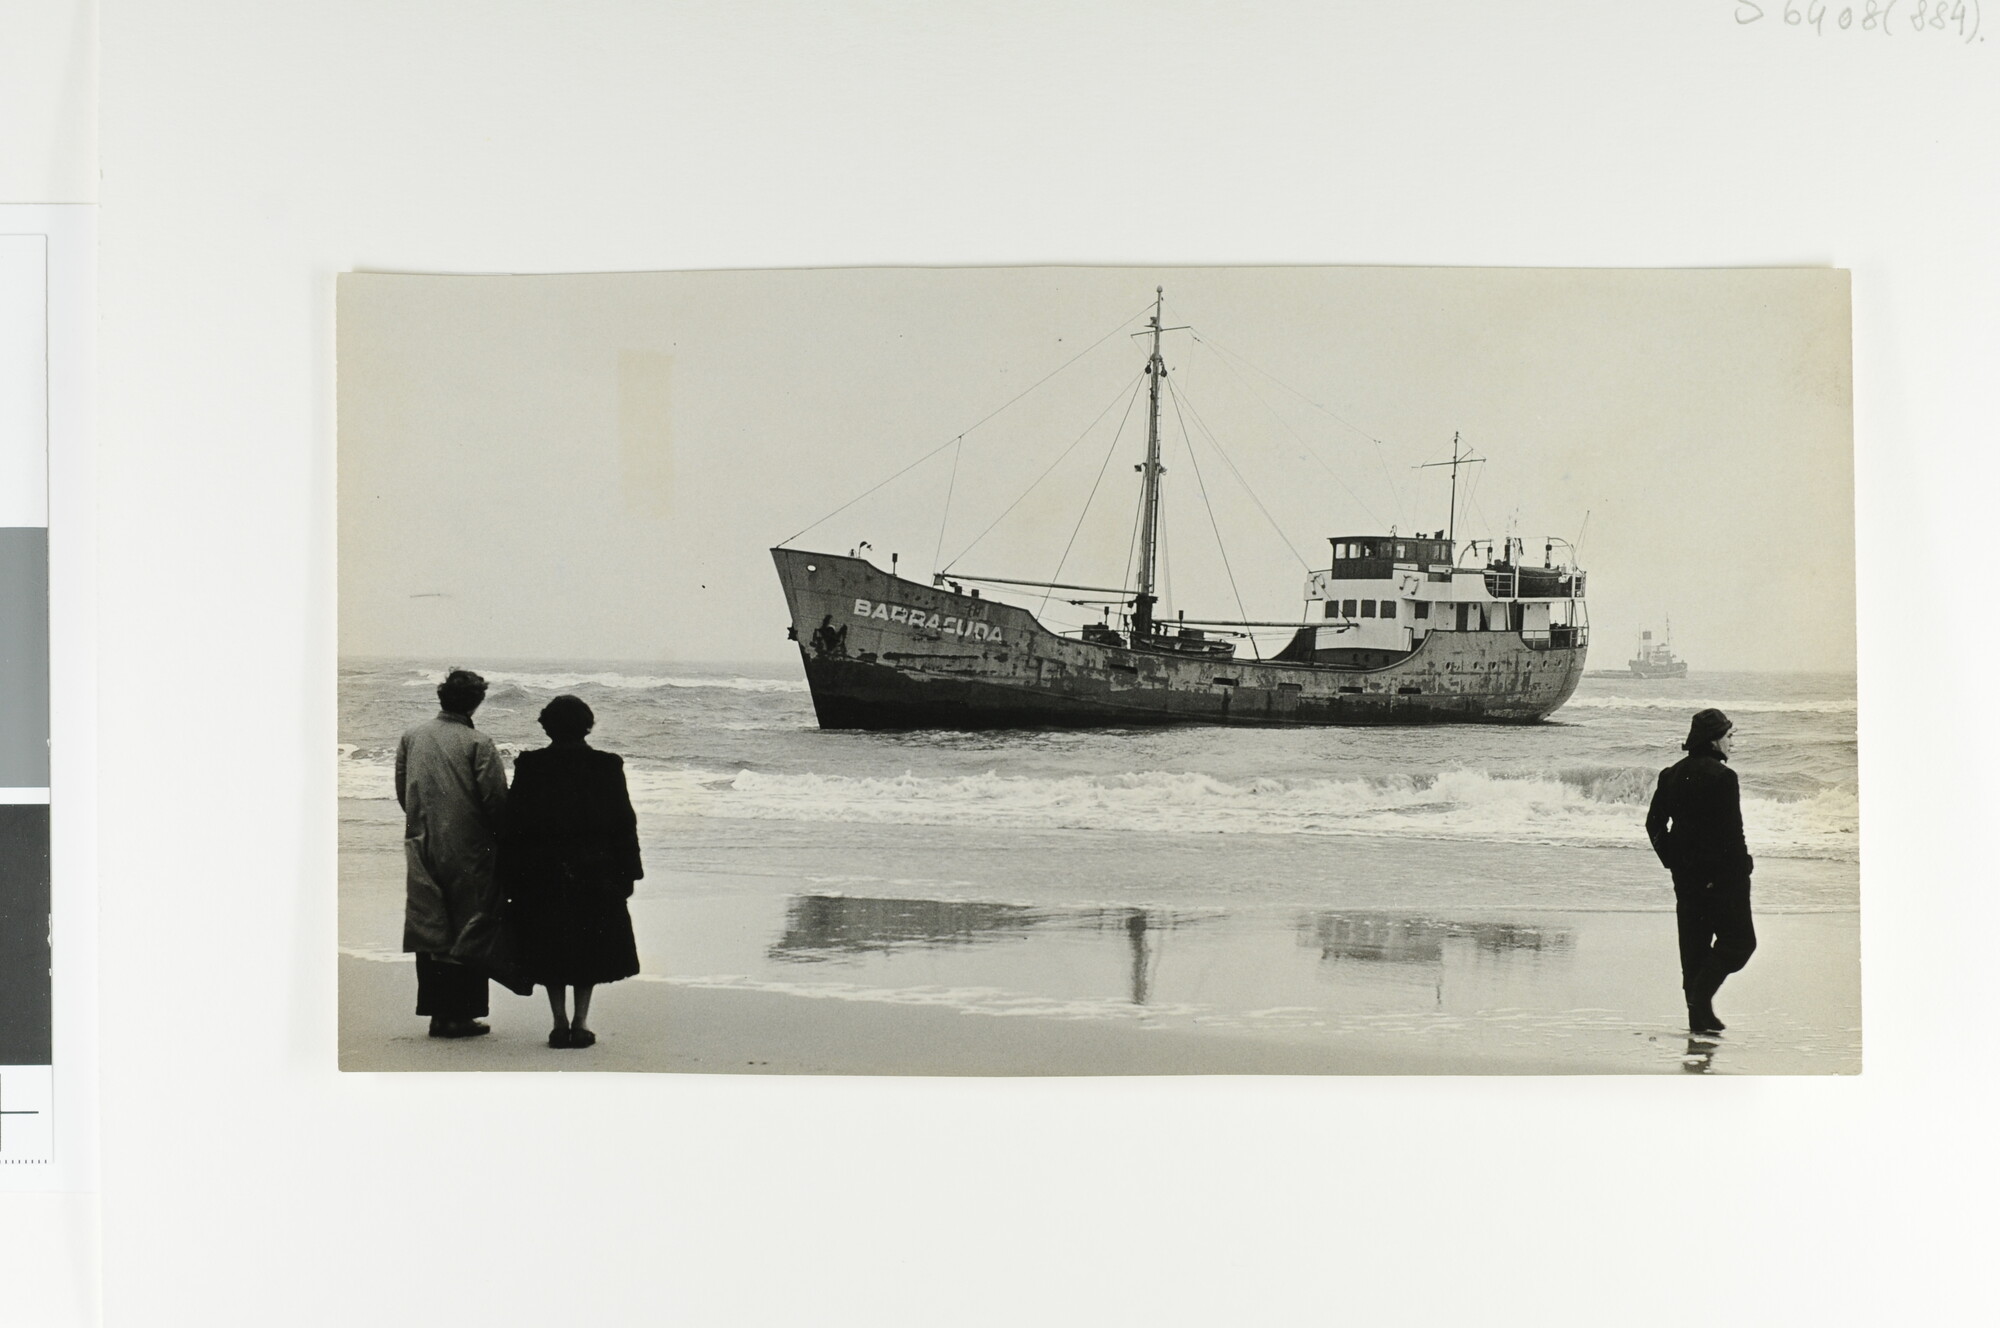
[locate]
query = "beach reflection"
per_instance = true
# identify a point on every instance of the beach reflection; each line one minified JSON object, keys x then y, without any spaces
{"x":820,"y":928}
{"x":1130,"y":953}
{"x":1382,"y":938}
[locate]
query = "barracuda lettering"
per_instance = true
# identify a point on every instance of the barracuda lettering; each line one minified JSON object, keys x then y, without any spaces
{"x":949,"y":624}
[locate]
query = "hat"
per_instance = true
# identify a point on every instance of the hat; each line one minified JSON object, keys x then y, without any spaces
{"x":1708,"y":725}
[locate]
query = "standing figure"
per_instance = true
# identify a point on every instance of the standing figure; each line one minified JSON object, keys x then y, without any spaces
{"x":453,"y":792}
{"x":828,"y":639}
{"x":569,"y":861}
{"x":1696,"y":825}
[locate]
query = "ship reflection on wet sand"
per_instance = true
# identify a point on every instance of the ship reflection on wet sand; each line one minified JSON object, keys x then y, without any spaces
{"x":1550,"y":991}
{"x":820,"y":929}
{"x":1384,"y":938}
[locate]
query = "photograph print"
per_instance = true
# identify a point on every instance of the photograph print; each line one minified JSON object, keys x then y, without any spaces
{"x":1098,"y":671}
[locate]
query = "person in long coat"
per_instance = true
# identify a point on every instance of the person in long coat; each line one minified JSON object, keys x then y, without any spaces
{"x":1696,"y":825}
{"x":453,"y":792}
{"x":569,"y":859}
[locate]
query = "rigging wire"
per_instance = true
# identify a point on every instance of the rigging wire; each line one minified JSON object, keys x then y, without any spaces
{"x":1129,"y":320}
{"x":1209,"y":434}
{"x":1395,"y":488}
{"x":1116,"y":434}
{"x":1132,"y":544}
{"x":1044,"y":475}
{"x":1187,"y":441}
{"x":1225,"y":356}
{"x":1472,"y":497}
{"x":949,"y":489}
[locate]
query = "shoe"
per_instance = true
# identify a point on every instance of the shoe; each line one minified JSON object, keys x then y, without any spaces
{"x":1701,"y":1019}
{"x":559,"y":1038}
{"x":458,"y":1028}
{"x":580,"y":1038}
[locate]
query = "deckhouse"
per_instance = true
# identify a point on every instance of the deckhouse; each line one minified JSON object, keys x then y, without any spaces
{"x":1383,"y":594}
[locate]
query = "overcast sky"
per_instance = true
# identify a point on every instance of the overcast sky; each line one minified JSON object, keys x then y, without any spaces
{"x":593,"y":468}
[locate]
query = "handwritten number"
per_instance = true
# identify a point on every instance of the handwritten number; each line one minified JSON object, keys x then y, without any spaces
{"x":1959,"y":17}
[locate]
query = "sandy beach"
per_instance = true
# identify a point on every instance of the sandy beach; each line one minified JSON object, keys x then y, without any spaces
{"x":759,"y":975}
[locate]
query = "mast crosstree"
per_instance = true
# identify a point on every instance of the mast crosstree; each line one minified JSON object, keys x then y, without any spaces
{"x":1457,"y":460}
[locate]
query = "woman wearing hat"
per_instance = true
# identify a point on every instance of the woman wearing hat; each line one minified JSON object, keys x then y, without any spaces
{"x":569,"y":858}
{"x":1696,"y":825}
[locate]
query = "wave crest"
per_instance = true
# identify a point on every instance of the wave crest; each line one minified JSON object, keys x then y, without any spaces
{"x":528,"y":683}
{"x":1688,"y":705}
{"x":1586,"y":807}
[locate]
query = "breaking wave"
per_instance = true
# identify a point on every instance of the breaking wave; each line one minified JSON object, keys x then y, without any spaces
{"x":558,"y":682}
{"x":1682,"y":704}
{"x":1588,"y":807}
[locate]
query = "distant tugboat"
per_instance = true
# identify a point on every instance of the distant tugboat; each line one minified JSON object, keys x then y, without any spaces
{"x":1658,"y":661}
{"x":1395,"y":632}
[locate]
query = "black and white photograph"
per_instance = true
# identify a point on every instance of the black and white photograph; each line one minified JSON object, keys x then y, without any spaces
{"x":1099,"y":671}
{"x":876,"y":662}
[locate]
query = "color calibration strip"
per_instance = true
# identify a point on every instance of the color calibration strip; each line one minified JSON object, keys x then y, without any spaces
{"x":27,"y":1051}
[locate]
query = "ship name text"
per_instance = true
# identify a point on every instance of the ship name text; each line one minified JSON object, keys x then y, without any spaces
{"x":949,"y":624}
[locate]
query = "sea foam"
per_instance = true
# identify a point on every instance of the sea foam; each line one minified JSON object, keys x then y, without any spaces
{"x":1587,"y":808}
{"x":1689,"y":705}
{"x":559,"y":682}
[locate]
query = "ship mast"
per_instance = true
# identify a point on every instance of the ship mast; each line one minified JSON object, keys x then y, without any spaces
{"x":1149,"y":529}
{"x":1457,"y":460}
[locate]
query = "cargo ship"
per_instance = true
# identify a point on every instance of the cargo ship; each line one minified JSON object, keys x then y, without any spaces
{"x":1397,"y":629}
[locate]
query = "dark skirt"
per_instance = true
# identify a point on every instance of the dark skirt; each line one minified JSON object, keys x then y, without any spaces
{"x":574,"y":936}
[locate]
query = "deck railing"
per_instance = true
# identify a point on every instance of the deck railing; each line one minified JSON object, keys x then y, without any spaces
{"x":1558,"y":638}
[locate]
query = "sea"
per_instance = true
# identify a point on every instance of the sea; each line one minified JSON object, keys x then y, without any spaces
{"x":784,"y":856}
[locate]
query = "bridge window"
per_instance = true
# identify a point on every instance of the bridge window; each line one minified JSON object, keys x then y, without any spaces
{"x":1331,"y":605}
{"x":1422,"y":609}
{"x":1347,"y":608}
{"x":1388,"y":608}
{"x":1368,"y":608}
{"x":1402,"y":550}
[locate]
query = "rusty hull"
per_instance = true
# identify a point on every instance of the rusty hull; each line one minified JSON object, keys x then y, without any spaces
{"x":931,"y":658}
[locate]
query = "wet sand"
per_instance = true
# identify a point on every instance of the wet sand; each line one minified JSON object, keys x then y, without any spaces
{"x":767,"y":975}
{"x":659,"y":1026}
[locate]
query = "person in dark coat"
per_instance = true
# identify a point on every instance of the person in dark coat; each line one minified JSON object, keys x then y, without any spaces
{"x":1696,"y":825}
{"x":568,"y":861}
